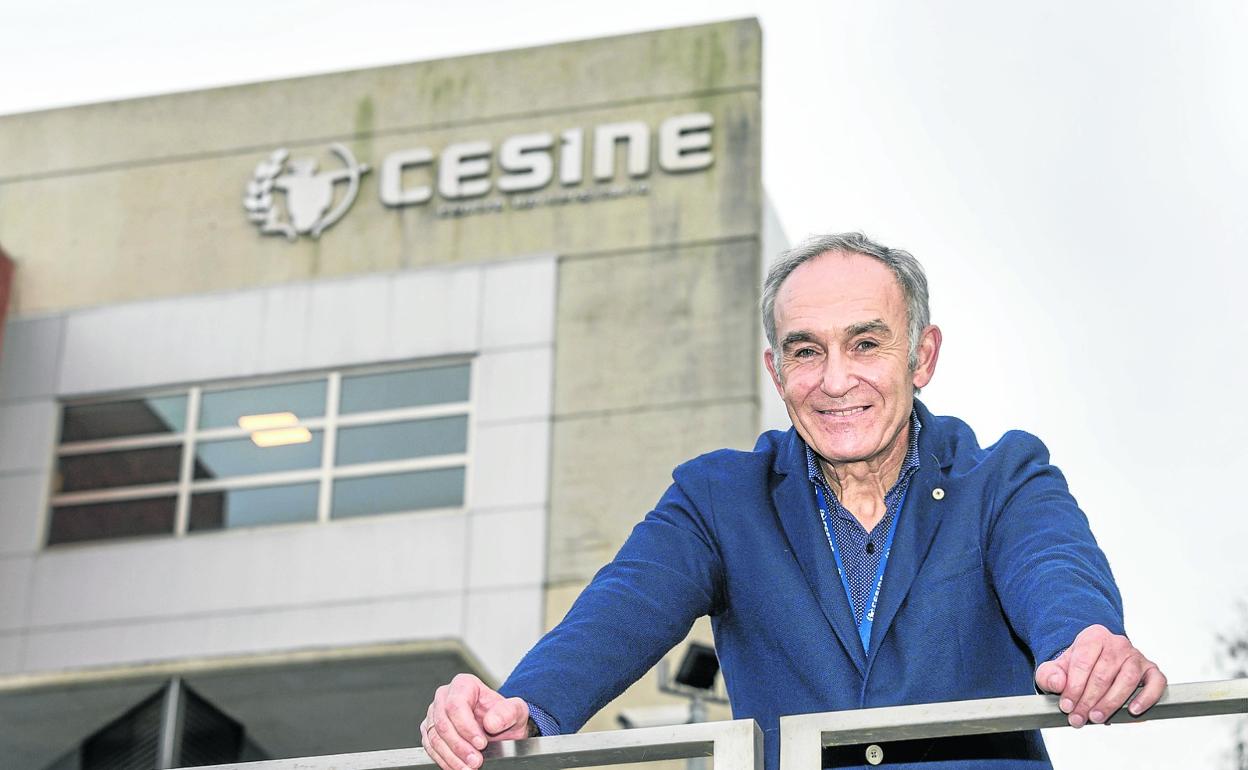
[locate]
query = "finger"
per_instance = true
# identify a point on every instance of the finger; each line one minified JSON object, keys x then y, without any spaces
{"x":430,"y":741}
{"x":1103,"y":675}
{"x":1051,"y":675}
{"x":448,"y":760}
{"x":427,"y":743}
{"x":463,"y":695}
{"x":454,"y":747}
{"x":486,"y":700}
{"x":447,"y":730}
{"x":1124,"y":684}
{"x":1083,"y":656}
{"x":1154,"y":687}
{"x":507,"y":720}
{"x":429,"y":735}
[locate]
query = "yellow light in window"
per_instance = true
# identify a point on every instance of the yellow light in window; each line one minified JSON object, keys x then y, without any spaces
{"x":281,"y":437}
{"x":267,"y":421}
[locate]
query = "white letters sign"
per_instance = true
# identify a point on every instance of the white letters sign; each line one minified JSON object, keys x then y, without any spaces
{"x":520,"y":167}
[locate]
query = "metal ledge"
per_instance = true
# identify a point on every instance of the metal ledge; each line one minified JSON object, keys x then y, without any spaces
{"x":738,"y":745}
{"x":803,"y":736}
{"x":735,"y":745}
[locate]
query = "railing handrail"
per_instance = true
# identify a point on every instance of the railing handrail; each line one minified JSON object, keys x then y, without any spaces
{"x":738,"y":744}
{"x":731,"y":745}
{"x":803,"y":736}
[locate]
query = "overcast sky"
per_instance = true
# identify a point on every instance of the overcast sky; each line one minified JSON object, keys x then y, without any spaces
{"x":1071,"y":172}
{"x":821,"y":58}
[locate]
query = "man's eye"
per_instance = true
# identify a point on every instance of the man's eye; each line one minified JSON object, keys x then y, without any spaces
{"x":803,"y":352}
{"x":865,"y":345}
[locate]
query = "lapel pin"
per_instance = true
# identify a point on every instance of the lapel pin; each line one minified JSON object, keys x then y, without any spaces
{"x":938,"y":494}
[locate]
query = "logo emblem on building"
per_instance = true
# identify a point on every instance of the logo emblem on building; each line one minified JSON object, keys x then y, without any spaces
{"x":307,"y":204}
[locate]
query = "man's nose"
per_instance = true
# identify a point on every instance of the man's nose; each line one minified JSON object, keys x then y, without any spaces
{"x":838,"y":376}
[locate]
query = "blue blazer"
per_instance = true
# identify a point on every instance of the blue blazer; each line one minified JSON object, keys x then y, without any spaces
{"x":985,"y":581}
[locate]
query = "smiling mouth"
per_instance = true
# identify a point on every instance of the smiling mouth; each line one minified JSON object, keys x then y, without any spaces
{"x":844,"y":412}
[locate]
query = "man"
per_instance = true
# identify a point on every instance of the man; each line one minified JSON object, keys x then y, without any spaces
{"x":873,"y":555}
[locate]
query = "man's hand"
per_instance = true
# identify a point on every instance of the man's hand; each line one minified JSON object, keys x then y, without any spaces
{"x":1096,"y":675}
{"x":464,"y":717}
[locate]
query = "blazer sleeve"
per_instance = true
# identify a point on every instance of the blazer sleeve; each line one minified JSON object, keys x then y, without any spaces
{"x":635,"y":609}
{"x":1052,"y":579}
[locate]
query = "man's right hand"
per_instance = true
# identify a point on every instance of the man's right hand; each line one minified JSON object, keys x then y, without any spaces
{"x":465,"y":717}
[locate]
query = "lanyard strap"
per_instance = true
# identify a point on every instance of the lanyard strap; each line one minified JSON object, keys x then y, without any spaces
{"x":868,"y":615}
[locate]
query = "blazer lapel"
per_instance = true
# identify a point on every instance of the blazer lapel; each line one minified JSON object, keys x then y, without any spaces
{"x":794,"y":498}
{"x":920,"y":519}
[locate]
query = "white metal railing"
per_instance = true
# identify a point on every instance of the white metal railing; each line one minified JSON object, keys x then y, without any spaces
{"x":738,"y":745}
{"x":735,"y":745}
{"x":803,"y":737}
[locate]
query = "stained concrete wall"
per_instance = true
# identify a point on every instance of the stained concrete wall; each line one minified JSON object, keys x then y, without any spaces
{"x":143,"y":198}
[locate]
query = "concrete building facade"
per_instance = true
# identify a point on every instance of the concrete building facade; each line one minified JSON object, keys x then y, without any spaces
{"x":507,"y":293}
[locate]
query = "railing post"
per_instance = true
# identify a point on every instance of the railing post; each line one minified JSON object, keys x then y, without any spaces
{"x":739,"y":747}
{"x":797,"y":749}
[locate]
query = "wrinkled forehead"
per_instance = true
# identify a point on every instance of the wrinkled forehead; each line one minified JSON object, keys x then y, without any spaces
{"x":840,"y":284}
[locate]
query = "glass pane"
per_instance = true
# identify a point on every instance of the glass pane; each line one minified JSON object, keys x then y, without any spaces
{"x":222,"y":408}
{"x":242,"y":457}
{"x":231,"y":508}
{"x":399,"y":440}
{"x":441,"y":488}
{"x":135,"y":417}
{"x":152,"y":465}
{"x":100,"y":521}
{"x":414,"y":387}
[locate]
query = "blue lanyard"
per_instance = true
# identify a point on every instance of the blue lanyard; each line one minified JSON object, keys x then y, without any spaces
{"x":868,"y":616}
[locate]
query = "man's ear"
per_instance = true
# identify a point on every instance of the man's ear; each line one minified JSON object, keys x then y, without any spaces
{"x":929,"y":352}
{"x":769,"y":359}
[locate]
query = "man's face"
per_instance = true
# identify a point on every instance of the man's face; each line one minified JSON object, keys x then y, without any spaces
{"x":844,"y":373}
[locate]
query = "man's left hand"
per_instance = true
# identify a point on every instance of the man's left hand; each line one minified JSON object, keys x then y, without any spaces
{"x":1096,"y":675}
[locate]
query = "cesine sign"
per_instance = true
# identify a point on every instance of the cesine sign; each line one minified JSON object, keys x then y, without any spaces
{"x":462,"y":175}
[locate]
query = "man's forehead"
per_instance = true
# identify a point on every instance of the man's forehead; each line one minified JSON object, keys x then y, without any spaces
{"x":840,"y":281}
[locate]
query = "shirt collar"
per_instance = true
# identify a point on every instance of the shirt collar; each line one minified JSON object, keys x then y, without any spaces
{"x":908,"y":466}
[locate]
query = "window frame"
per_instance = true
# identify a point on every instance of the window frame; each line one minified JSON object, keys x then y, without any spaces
{"x":324,"y":474}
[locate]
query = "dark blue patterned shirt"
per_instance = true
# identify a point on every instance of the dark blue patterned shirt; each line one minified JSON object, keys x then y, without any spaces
{"x":861,"y":550}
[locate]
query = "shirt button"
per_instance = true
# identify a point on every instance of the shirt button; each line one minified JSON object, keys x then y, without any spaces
{"x":938,"y":494}
{"x":870,"y":547}
{"x":875,"y":754}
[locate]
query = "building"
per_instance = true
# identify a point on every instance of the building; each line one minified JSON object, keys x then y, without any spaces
{"x":314,"y":392}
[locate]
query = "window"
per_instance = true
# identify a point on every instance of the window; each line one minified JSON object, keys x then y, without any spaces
{"x":300,"y":449}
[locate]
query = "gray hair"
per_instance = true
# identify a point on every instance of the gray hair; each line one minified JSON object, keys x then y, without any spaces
{"x":909,"y":274}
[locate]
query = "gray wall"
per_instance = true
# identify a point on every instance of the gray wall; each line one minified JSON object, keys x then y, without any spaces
{"x":474,"y":574}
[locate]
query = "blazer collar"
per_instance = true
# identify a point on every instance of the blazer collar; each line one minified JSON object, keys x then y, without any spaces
{"x":794,"y":499}
{"x":921,"y":516}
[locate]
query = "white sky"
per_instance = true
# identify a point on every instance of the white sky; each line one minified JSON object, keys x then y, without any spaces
{"x":63,"y":52}
{"x":1071,"y":172}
